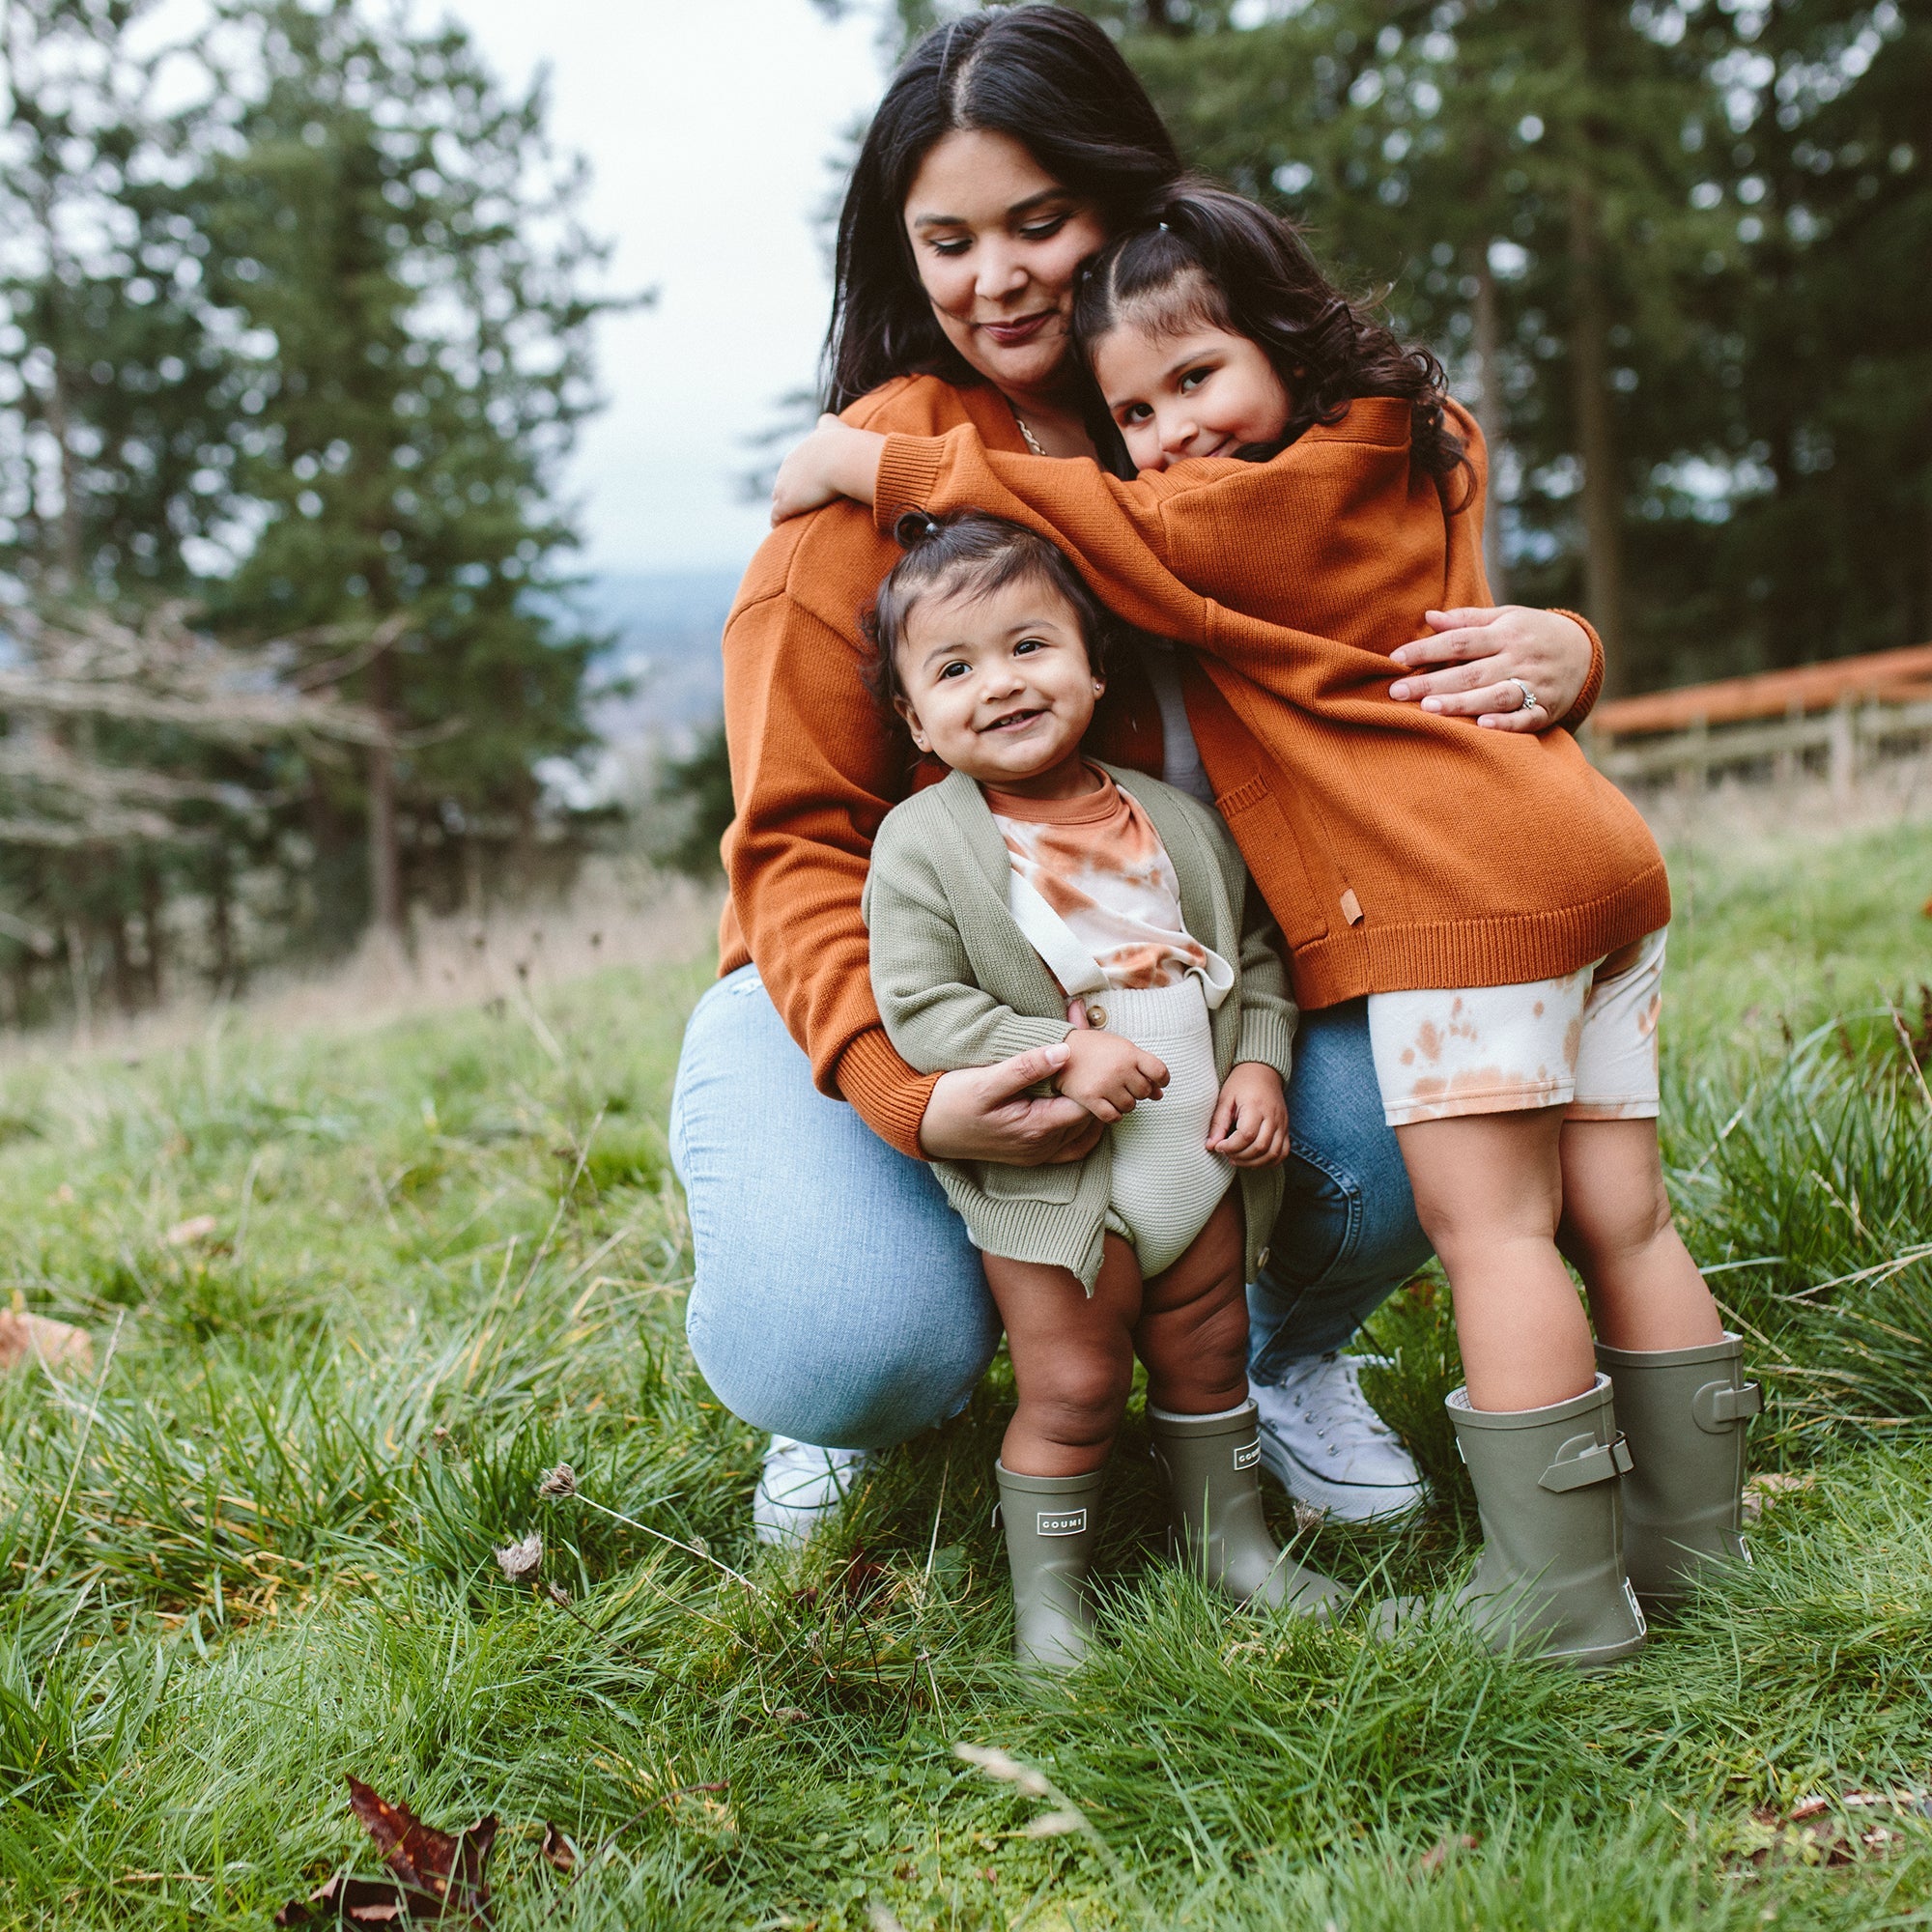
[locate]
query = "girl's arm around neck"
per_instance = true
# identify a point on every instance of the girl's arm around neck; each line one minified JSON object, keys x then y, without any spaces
{"x":836,"y":460}
{"x":1243,"y":534}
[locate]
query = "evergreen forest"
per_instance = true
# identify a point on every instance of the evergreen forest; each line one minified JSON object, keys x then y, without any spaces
{"x":295,"y":321}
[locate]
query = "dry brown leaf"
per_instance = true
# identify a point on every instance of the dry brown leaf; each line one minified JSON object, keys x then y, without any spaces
{"x":559,"y":1849}
{"x":437,"y":1875}
{"x":26,"y":1339}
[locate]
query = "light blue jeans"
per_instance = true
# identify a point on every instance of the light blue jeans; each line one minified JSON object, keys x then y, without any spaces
{"x":836,"y":1297}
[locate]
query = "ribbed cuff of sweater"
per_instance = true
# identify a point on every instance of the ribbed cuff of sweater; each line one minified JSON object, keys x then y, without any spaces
{"x":908,"y":474}
{"x":883,"y":1091}
{"x":1269,"y":1036}
{"x":1593,"y":684}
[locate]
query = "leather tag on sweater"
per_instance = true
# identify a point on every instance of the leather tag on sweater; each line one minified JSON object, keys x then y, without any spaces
{"x":1352,"y":908}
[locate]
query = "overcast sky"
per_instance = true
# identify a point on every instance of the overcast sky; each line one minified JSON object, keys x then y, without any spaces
{"x":710,"y":127}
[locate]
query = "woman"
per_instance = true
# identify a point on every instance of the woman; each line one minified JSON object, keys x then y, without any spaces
{"x":836,"y":1300}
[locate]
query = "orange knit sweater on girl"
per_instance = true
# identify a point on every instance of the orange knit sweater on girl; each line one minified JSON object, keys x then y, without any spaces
{"x":1358,"y":817}
{"x":816,"y":765}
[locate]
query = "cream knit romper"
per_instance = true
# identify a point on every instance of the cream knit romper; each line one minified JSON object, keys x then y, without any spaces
{"x":1156,"y":987}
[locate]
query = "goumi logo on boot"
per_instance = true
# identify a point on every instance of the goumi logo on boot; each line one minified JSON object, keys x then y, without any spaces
{"x":1062,"y":1523}
{"x":1248,"y":1455}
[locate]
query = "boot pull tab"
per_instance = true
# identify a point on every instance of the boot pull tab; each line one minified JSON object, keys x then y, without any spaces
{"x":1583,"y":1459}
{"x":1717,"y":1406}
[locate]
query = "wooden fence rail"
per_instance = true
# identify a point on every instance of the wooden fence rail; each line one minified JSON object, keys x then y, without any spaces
{"x":1838,"y":718}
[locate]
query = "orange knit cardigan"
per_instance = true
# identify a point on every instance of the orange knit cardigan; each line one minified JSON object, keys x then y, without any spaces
{"x":815,"y":765}
{"x":1397,"y":849}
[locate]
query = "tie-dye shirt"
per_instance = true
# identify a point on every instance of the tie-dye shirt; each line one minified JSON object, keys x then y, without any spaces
{"x":1098,"y":863}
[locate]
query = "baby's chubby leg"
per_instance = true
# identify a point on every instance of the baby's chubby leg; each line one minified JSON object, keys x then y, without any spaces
{"x":1193,"y":1329}
{"x":1073,"y":1359}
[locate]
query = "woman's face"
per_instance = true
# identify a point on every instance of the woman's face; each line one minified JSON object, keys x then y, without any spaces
{"x":998,"y":242}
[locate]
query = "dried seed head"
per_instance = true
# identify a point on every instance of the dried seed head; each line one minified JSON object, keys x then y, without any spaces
{"x":1055,"y":1824}
{"x":560,"y":1482}
{"x":559,"y":1595}
{"x":521,"y":1559}
{"x":996,"y":1763}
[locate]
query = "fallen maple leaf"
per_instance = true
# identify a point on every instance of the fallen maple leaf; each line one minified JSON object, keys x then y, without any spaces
{"x":559,"y":1849}
{"x":436,"y":1876}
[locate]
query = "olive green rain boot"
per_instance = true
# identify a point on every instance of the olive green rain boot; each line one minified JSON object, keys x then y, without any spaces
{"x":1212,"y":1464}
{"x":1052,"y":1525}
{"x":1685,"y":1411}
{"x":1550,"y":1577}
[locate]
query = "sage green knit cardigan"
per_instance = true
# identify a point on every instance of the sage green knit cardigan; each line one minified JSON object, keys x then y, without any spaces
{"x":957,"y":985}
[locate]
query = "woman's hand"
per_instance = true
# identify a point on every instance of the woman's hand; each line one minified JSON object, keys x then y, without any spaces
{"x":1484,"y":652}
{"x":836,"y":460}
{"x":986,"y":1113}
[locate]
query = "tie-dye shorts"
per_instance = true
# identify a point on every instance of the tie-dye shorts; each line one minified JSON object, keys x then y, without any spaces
{"x":1586,"y":1042}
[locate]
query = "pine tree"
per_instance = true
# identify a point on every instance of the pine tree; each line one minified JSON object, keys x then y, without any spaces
{"x":1822,"y":173}
{"x":395,"y":245}
{"x":114,"y":468}
{"x":113,"y":453}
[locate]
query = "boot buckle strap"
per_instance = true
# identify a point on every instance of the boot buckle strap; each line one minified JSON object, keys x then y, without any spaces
{"x":1717,"y":1406}
{"x":1592,"y":1462}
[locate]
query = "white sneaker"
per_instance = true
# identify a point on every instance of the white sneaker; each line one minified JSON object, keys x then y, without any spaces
{"x":1329,"y":1449}
{"x":801,"y":1486}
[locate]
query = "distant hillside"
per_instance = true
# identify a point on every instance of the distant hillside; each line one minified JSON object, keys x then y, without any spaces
{"x":666,"y":627}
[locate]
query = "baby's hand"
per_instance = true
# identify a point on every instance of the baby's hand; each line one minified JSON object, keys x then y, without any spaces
{"x":834,"y":461}
{"x":1250,"y":1123}
{"x":1107,"y":1073}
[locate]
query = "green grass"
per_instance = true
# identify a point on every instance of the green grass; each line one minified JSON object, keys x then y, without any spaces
{"x":253,"y":1554}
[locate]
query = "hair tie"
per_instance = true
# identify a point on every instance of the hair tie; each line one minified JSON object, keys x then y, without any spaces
{"x":1163,"y":227}
{"x":915,"y":528}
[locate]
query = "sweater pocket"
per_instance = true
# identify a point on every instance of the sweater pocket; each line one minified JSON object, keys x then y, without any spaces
{"x":1274,"y":860}
{"x":1057,"y":1184}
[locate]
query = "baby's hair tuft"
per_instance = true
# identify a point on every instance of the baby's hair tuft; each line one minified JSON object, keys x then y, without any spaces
{"x":970,"y":552}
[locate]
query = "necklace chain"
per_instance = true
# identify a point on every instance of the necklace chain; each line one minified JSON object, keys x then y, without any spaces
{"x":1032,"y":440}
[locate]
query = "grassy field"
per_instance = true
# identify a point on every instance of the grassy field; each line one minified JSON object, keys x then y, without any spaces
{"x":354,"y":1293}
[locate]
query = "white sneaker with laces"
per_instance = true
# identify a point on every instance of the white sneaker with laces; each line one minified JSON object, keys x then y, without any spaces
{"x":1330,"y":1450}
{"x":800,"y":1488}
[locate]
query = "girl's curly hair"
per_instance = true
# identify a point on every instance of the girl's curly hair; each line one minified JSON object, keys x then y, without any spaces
{"x":1202,"y":256}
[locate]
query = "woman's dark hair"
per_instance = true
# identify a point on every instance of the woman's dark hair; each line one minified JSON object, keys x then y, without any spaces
{"x":1201,"y":256}
{"x":969,"y":551}
{"x":1044,"y":74}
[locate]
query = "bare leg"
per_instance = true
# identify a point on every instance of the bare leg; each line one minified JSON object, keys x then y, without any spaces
{"x":1193,"y":1334}
{"x":1645,"y":1290}
{"x":1489,"y":1191}
{"x":1073,"y":1359}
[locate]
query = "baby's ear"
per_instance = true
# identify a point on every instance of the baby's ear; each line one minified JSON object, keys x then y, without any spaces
{"x":903,"y":704}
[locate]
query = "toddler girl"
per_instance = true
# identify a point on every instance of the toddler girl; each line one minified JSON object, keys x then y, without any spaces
{"x":1037,"y":899}
{"x":1525,"y":1102}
